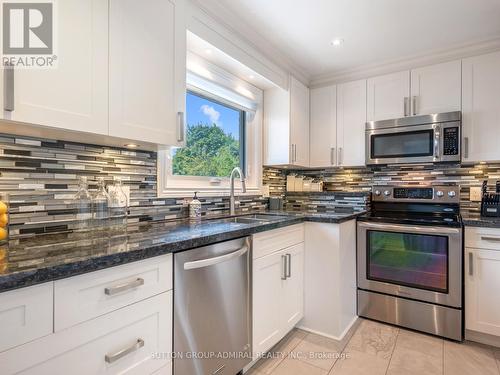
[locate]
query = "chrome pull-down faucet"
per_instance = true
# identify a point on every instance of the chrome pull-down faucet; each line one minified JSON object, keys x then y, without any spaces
{"x":232,"y":202}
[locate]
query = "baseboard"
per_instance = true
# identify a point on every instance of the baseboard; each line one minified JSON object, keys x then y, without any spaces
{"x":482,"y":338}
{"x":349,"y":327}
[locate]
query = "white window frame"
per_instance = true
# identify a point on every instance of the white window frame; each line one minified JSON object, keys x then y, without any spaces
{"x":214,"y":82}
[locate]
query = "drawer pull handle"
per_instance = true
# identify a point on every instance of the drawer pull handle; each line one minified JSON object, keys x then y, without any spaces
{"x":471,"y":264}
{"x":123,"y":287}
{"x":492,"y":239}
{"x":110,"y":358}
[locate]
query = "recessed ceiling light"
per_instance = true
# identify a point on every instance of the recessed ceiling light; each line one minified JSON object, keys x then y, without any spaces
{"x":208,"y":51}
{"x":251,"y":76}
{"x":337,"y":42}
{"x":131,"y":145}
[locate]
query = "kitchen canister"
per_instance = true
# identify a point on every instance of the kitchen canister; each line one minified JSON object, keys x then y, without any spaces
{"x":290,"y":182}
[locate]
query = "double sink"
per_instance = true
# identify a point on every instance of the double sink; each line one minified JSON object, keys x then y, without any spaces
{"x":252,"y":219}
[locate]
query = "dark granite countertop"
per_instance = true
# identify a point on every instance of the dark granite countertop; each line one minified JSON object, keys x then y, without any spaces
{"x":472,"y":220}
{"x":44,"y":258}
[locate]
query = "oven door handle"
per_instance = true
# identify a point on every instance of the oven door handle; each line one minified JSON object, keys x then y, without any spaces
{"x":409,"y":228}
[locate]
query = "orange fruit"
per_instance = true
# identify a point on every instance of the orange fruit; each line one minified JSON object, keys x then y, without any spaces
{"x":3,"y":234}
{"x":3,"y":208}
{"x":4,"y":220}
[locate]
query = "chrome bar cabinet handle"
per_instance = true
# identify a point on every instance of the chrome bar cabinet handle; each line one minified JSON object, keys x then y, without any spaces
{"x":295,"y":157}
{"x":471,"y":264}
{"x":405,"y":105}
{"x":341,"y":156}
{"x":8,"y":101}
{"x":466,"y":147}
{"x":110,"y":358}
{"x":181,"y":127}
{"x":283,"y":267}
{"x":332,"y":156}
{"x":289,"y":265}
{"x":111,"y":291}
{"x":414,"y":105}
{"x":491,"y":239}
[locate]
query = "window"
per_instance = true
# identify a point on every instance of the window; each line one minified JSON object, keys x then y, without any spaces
{"x":224,"y":130}
{"x":215,"y":139}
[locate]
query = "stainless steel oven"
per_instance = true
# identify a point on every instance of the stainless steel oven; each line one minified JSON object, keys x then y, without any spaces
{"x":418,"y":262}
{"x":409,"y":259}
{"x":417,"y":139}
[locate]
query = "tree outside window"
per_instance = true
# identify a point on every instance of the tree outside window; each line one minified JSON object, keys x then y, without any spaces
{"x":214,"y":139}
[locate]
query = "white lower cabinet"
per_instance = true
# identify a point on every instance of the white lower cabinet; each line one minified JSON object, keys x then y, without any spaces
{"x":114,"y":321}
{"x":330,"y":278}
{"x":278,"y":293}
{"x":25,"y":314}
{"x":482,"y":280}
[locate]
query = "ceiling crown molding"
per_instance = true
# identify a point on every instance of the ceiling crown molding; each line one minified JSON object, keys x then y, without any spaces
{"x":229,"y":20}
{"x":409,"y":62}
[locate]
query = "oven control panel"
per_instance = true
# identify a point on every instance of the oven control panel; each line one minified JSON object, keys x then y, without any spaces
{"x":431,"y":194}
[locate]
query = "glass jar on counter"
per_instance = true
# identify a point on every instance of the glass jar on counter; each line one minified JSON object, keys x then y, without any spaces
{"x":4,"y":219}
{"x":100,"y":204}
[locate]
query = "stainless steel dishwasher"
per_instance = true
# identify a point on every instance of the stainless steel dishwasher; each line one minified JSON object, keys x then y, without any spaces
{"x":212,"y":309}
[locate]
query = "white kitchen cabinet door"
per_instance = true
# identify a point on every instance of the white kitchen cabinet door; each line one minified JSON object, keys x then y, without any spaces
{"x":388,"y":96}
{"x":122,"y":342}
{"x":26,"y":314}
{"x":299,"y":122}
{"x":351,"y":122}
{"x":292,"y":306}
{"x":436,"y":88}
{"x":267,"y":326}
{"x":481,"y":108}
{"x":323,"y":127}
{"x":147,"y":70}
{"x":482,"y":282}
{"x":74,"y":95}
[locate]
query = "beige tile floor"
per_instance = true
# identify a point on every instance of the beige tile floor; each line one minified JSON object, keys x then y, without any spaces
{"x":377,"y":349}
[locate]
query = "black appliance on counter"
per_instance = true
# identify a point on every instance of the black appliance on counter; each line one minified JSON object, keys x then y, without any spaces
{"x":409,"y":259}
{"x":490,"y":202}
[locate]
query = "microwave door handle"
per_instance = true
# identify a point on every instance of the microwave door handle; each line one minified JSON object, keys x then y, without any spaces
{"x":437,"y":143}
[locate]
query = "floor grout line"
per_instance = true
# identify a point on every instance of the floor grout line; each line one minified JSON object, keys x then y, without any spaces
{"x":443,"y":356}
{"x":392,"y":352}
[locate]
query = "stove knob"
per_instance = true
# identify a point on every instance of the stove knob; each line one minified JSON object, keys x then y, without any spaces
{"x":378,"y":192}
{"x":452,"y":194}
{"x":439,"y":194}
{"x":387,"y":193}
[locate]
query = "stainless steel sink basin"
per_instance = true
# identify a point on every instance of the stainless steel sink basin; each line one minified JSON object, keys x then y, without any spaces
{"x":253,"y":219}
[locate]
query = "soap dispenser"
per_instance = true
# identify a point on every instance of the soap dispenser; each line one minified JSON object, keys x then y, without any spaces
{"x":195,"y":208}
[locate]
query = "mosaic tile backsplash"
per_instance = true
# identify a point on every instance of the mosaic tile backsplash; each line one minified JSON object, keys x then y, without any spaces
{"x":362,"y":179}
{"x":41,"y":177}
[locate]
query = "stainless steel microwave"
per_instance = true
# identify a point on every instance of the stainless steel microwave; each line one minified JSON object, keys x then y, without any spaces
{"x":417,"y":139}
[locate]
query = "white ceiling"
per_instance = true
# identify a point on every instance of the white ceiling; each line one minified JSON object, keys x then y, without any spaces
{"x":374,"y":31}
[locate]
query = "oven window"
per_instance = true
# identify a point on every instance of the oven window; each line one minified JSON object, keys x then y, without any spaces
{"x":414,"y":260}
{"x":405,"y":144}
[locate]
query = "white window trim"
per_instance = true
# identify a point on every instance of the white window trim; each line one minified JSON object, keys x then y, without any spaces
{"x":246,"y":96}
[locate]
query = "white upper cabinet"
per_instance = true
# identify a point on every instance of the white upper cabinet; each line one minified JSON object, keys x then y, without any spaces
{"x":351,"y":122}
{"x":323,"y":131}
{"x":436,"y":88}
{"x":388,"y":96}
{"x":481,"y":108}
{"x":421,"y":91}
{"x":147,"y":52}
{"x":299,"y":122}
{"x":121,"y":72}
{"x":286,"y":125}
{"x":73,"y":95}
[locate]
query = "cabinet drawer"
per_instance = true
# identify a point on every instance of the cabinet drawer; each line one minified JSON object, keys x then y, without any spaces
{"x":84,"y":297}
{"x":121,"y":342}
{"x":274,"y":240}
{"x":482,"y":238}
{"x":26,"y":314}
